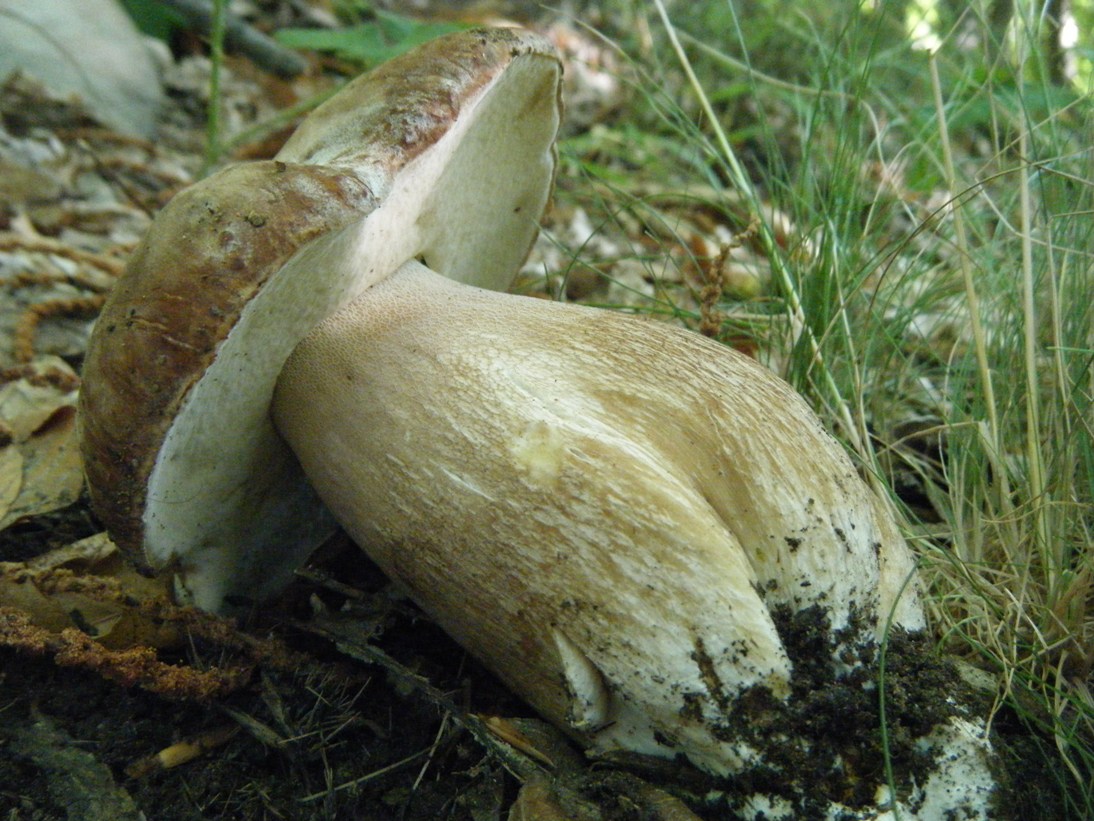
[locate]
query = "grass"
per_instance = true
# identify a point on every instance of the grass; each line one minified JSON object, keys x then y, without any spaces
{"x":938,"y":310}
{"x":213,"y":136}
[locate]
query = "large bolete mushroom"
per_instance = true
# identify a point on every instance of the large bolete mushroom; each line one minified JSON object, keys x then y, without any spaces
{"x":446,"y":154}
{"x":628,"y":523}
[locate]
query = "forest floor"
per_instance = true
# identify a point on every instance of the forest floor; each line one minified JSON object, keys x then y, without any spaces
{"x":341,"y":700}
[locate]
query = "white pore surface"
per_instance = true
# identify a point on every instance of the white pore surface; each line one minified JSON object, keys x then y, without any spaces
{"x":227,"y":501}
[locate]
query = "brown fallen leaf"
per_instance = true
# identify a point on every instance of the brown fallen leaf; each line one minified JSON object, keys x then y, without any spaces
{"x":507,"y":731}
{"x":84,"y":606}
{"x":542,"y":800}
{"x":11,"y":477}
{"x":40,"y":466}
{"x":134,"y":666}
{"x":88,"y":586}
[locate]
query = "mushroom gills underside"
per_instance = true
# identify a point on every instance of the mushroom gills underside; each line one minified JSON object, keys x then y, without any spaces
{"x":530,"y":471}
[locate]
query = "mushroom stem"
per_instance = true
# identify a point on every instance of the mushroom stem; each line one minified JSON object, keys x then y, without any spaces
{"x":614,"y":516}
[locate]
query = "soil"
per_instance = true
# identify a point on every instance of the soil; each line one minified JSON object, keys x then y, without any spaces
{"x":316,"y":722}
{"x":384,"y":722}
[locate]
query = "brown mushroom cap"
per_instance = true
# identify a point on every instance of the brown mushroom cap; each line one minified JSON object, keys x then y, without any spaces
{"x":445,"y":154}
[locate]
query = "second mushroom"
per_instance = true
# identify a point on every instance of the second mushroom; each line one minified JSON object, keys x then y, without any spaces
{"x":623,"y":520}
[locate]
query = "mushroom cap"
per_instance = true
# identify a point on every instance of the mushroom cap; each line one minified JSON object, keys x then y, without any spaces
{"x":445,"y":154}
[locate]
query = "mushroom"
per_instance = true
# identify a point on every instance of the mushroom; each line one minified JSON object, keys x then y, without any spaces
{"x":630,"y":524}
{"x":446,"y":154}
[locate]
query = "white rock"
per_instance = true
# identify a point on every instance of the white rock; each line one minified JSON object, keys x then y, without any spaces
{"x":94,"y":53}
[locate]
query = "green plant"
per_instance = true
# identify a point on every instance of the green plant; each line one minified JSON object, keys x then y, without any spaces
{"x":368,"y":42}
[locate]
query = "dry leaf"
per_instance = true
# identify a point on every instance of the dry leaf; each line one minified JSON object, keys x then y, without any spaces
{"x":540,"y":800}
{"x":11,"y":477}
{"x":40,"y":466}
{"x":87,"y":585}
{"x":507,"y":731}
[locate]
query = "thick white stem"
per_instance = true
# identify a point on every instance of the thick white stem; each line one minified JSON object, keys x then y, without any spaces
{"x":605,"y":512}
